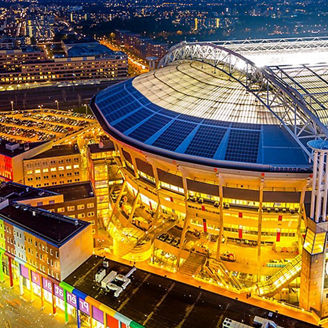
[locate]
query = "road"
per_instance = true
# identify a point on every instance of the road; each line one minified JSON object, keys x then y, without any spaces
{"x":18,"y":313}
{"x":67,"y":96}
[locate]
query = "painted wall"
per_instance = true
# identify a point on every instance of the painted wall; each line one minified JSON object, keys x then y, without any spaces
{"x":74,"y":252}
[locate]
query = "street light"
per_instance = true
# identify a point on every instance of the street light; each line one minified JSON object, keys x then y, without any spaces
{"x":57,"y":103}
{"x":86,"y":108}
{"x":12,"y":105}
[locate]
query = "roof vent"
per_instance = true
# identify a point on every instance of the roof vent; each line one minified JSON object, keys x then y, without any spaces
{"x":26,"y":146}
{"x":76,"y":222}
{"x":12,"y":146}
{"x":33,"y":213}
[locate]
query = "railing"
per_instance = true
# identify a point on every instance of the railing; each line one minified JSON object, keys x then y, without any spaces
{"x":281,"y":278}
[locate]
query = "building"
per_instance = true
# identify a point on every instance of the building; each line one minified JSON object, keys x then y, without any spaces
{"x":47,"y":254}
{"x":12,"y":155}
{"x":223,"y":181}
{"x":29,"y":195}
{"x":147,"y":301}
{"x":140,"y":46}
{"x":83,"y":62}
{"x":36,"y":244}
{"x":79,"y":201}
{"x":104,"y":174}
{"x":11,"y":59}
{"x":59,"y":165}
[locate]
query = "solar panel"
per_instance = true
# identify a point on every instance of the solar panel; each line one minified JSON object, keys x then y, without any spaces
{"x":122,"y":111}
{"x":154,"y":107}
{"x":172,"y":137}
{"x":109,"y":92}
{"x":206,"y":141}
{"x":190,"y":118}
{"x":150,"y":127}
{"x":243,"y":146}
{"x":168,"y":112}
{"x":132,"y":120}
{"x":216,"y":123}
{"x":248,"y":126}
{"x":144,"y":101}
{"x":111,"y":97}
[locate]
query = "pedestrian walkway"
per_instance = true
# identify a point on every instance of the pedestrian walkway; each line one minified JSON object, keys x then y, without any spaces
{"x":25,"y":311}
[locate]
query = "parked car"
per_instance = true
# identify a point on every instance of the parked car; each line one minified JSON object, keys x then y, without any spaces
{"x":227,"y":256}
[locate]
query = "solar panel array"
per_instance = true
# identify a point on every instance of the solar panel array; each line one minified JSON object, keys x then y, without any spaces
{"x":150,"y":127}
{"x":131,"y":120}
{"x":243,"y":146}
{"x":172,"y":137}
{"x":206,"y":141}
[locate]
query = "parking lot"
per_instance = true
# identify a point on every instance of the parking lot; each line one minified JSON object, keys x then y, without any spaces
{"x":42,"y":124}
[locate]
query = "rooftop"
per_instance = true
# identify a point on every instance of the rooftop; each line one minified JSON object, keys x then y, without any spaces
{"x":52,"y":227}
{"x":17,"y":192}
{"x":25,"y":49}
{"x":73,"y":191}
{"x":12,"y":149}
{"x":59,"y":150}
{"x":88,"y":49}
{"x":149,"y":300}
{"x":208,"y":104}
{"x":187,"y":112}
{"x":106,"y":145}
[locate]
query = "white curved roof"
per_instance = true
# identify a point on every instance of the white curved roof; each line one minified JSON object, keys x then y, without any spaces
{"x":197,"y":89}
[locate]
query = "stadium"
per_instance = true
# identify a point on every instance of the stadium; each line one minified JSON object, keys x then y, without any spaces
{"x":223,"y":156}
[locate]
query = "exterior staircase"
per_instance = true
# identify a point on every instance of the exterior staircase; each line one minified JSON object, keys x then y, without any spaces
{"x":219,"y":272}
{"x":281,"y":278}
{"x":192,"y":264}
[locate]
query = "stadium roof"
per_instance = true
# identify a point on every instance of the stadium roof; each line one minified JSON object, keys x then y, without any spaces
{"x":210,"y":105}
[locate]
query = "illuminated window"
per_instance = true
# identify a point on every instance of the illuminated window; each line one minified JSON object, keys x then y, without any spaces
{"x":37,"y":171}
{"x":53,"y":169}
{"x":69,"y":167}
{"x":61,"y":209}
{"x":80,"y":206}
{"x":319,"y":242}
{"x":76,"y":166}
{"x":60,"y":168}
{"x":70,"y":208}
{"x":314,"y":243}
{"x":45,"y":170}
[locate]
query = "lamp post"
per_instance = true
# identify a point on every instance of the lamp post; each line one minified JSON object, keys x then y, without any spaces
{"x":57,"y":104}
{"x":12,"y":105}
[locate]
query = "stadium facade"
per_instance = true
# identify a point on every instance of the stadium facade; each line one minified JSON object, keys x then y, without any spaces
{"x":228,"y":159}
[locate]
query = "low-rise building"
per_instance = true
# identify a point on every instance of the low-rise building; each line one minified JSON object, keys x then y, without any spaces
{"x":29,"y":195}
{"x":59,"y":165}
{"x":79,"y":201}
{"x":12,"y":155}
{"x":37,"y":242}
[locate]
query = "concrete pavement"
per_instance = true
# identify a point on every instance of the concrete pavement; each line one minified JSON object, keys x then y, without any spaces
{"x":20,"y":312}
